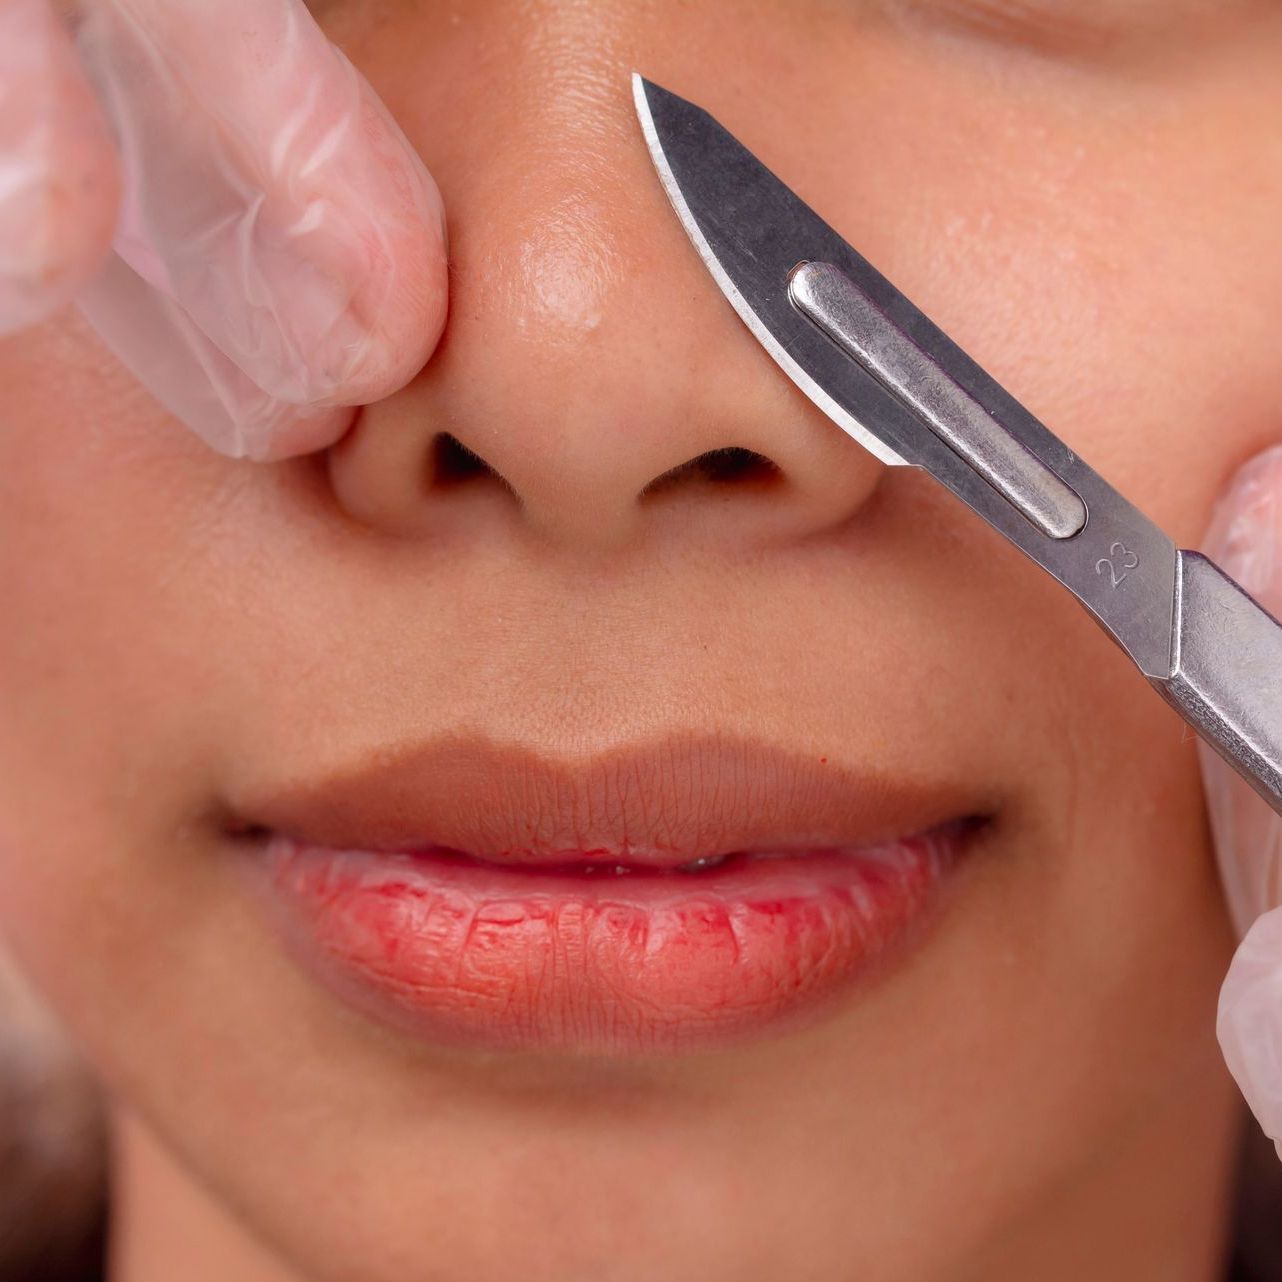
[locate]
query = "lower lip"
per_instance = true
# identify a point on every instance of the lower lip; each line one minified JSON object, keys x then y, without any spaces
{"x":474,"y":953}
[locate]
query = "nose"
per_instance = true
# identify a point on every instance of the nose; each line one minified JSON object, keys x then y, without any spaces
{"x":592,"y":386}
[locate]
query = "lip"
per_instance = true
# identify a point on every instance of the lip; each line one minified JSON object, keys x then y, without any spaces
{"x":481,"y":895}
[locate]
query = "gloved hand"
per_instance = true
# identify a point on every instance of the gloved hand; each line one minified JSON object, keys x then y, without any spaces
{"x":230,"y":203}
{"x":1246,"y":540}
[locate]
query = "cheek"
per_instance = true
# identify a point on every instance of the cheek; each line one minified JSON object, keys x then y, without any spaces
{"x":92,"y":540}
{"x":1091,"y":241}
{"x":99,"y":642}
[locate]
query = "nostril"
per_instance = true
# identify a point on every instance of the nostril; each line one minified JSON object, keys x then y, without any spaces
{"x":734,"y":463}
{"x":453,"y":463}
{"x":731,"y":464}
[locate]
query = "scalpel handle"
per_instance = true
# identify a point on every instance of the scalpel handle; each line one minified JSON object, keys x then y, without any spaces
{"x":1226,"y":678}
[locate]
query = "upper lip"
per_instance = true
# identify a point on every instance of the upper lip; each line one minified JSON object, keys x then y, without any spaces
{"x":661,"y":803}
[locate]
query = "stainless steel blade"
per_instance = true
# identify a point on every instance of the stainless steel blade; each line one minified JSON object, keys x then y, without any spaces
{"x":751,"y":231}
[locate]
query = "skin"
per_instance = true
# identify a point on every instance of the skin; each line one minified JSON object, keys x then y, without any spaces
{"x":1088,"y":203}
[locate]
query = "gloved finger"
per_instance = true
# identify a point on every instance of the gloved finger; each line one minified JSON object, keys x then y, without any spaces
{"x":1249,"y":1025}
{"x":1245,"y":538}
{"x":184,"y":371}
{"x":59,"y":184}
{"x":272,"y":201}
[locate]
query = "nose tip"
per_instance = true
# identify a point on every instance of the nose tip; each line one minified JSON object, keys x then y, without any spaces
{"x":592,"y":384}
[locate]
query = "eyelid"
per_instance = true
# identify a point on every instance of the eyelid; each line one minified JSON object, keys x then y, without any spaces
{"x":1061,"y":20}
{"x":1081,"y":28}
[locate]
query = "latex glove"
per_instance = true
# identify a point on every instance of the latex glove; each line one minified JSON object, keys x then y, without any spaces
{"x":59,"y":183}
{"x":1246,"y":539}
{"x":279,"y":250}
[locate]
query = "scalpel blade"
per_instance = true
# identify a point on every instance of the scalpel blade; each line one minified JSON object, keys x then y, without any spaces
{"x":895,"y":382}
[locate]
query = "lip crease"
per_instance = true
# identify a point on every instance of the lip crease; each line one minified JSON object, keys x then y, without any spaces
{"x":674,"y":896}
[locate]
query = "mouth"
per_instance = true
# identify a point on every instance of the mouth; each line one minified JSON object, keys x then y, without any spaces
{"x":647,"y":901}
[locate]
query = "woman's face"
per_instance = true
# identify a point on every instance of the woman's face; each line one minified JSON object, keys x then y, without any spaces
{"x":1086,"y":197}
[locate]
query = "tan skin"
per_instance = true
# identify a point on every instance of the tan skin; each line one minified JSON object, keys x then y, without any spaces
{"x":1086,"y":197}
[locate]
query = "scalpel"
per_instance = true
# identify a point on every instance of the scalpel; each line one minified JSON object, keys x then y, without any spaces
{"x":905,"y":391}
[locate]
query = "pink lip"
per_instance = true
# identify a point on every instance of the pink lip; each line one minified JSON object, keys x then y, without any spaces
{"x":604,"y":946}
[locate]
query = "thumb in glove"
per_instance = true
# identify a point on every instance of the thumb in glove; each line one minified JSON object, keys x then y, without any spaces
{"x":1245,"y":538}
